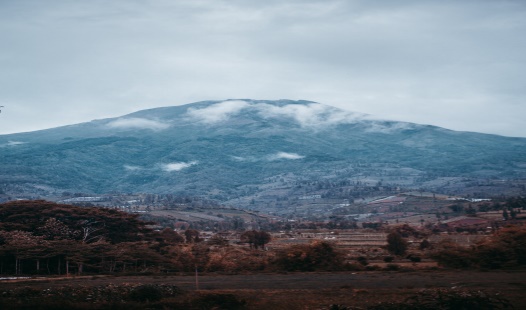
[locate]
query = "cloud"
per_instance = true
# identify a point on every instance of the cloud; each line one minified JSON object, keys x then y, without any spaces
{"x":284,"y":155}
{"x":132,"y":168}
{"x":177,"y":166}
{"x":238,"y":158}
{"x":388,"y":127}
{"x":456,"y":64}
{"x":250,"y":159}
{"x":12,"y":143}
{"x":271,"y":157}
{"x":218,"y":112}
{"x":137,"y":123}
{"x":311,"y":115}
{"x":306,"y":115}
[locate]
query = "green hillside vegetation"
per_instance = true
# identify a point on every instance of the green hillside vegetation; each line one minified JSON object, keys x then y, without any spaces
{"x":96,"y":158}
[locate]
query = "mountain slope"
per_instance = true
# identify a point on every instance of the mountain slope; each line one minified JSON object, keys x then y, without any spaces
{"x":214,"y":147}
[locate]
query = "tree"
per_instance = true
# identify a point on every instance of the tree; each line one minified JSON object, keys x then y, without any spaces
{"x":192,"y":236}
{"x":262,"y":238}
{"x":55,"y":229}
{"x":169,"y":236}
{"x":456,"y":208}
{"x":505,"y":214}
{"x":396,"y":244}
{"x":23,"y":245}
{"x":248,"y":237}
{"x":450,"y":254}
{"x":86,"y":223}
{"x":470,"y":210}
{"x":424,"y":244}
{"x":255,"y":238}
{"x":218,"y":240}
{"x":319,"y":255}
{"x":506,"y":248}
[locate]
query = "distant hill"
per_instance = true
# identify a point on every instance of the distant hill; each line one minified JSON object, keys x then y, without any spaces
{"x":232,"y":148}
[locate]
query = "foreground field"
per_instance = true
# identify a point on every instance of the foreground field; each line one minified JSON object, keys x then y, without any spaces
{"x":285,"y":291}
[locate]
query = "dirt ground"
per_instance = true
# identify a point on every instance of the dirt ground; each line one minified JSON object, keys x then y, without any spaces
{"x":313,"y":290}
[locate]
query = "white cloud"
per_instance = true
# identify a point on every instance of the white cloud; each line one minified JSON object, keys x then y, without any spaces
{"x":388,"y":127}
{"x":12,"y":143}
{"x":177,"y":166}
{"x":238,"y":158}
{"x":310,"y":115}
{"x":132,"y":168}
{"x":137,"y":123}
{"x":218,"y":112}
{"x":284,"y":155}
{"x":251,"y":159}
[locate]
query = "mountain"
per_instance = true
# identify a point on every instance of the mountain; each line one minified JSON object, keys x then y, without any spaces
{"x":237,"y":148}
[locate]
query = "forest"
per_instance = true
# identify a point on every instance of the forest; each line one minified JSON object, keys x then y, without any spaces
{"x":45,"y":238}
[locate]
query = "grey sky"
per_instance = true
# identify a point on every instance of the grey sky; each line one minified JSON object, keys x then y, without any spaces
{"x":455,"y":64}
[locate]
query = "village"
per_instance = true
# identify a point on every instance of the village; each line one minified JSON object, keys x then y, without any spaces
{"x":359,"y":229}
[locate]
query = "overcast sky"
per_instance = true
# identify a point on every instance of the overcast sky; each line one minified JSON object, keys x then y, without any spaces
{"x":456,"y":64}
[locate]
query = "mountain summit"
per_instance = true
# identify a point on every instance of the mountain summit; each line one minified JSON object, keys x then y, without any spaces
{"x":219,"y":149}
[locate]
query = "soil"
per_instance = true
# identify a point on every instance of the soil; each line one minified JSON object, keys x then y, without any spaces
{"x":313,"y":290}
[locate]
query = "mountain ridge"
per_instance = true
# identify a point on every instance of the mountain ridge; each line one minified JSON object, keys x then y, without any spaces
{"x":212,"y":147}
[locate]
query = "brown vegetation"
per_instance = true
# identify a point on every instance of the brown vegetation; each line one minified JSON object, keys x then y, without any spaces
{"x":43,"y":238}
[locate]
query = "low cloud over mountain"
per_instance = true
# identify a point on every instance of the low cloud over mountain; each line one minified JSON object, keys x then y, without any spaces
{"x":177,"y":166}
{"x":137,"y":123}
{"x":284,"y":155}
{"x":310,"y":114}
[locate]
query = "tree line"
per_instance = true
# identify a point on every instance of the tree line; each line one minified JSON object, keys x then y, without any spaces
{"x":40,"y":237}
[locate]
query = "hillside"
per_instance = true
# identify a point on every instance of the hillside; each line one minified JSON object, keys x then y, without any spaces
{"x":241,"y":148}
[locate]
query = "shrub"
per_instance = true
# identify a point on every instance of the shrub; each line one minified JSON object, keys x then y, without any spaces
{"x":319,"y":255}
{"x":362,"y":260}
{"x":219,"y":301}
{"x":449,"y":254}
{"x":448,"y":299}
{"x":425,"y":244}
{"x":146,"y":293}
{"x":396,"y":244}
{"x":392,"y":267}
{"x":414,"y":258}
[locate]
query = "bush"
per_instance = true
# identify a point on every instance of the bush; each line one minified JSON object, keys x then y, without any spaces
{"x":392,"y":267}
{"x":319,"y":255}
{"x":448,"y":299}
{"x":146,"y":293}
{"x":388,"y":259}
{"x":219,"y":301}
{"x":414,"y":258}
{"x":449,"y":254}
{"x":505,"y":249}
{"x":362,"y":260}
{"x":396,"y":244}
